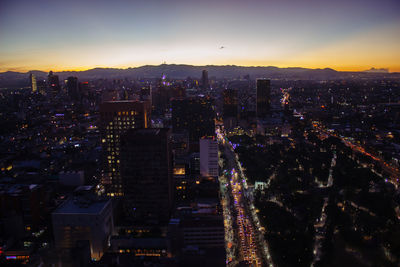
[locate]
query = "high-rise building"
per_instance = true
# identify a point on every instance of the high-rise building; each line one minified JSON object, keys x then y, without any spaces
{"x":195,"y":115}
{"x":146,"y":170}
{"x":209,"y":157}
{"x":84,"y":89}
{"x":33,"y":82}
{"x":41,"y":86}
{"x":72,"y":88}
{"x":53,"y":84}
{"x":204,"y":79}
{"x":263,"y":97}
{"x":116,"y":118}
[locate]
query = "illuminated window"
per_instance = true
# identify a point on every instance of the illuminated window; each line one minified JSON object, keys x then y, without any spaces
{"x":179,"y":171}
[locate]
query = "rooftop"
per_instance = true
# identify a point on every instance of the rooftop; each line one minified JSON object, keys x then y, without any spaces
{"x":82,"y":205}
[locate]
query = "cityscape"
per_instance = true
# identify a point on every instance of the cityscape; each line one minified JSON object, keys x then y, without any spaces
{"x":172,"y":153}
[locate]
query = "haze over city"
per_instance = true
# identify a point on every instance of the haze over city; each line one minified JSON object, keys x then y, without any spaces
{"x":345,"y":35}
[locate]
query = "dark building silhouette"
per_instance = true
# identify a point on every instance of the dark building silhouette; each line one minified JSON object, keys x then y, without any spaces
{"x":230,"y":106}
{"x":146,"y":93}
{"x":116,"y":118}
{"x":146,"y":169}
{"x":196,"y":115}
{"x":263,"y":95}
{"x":53,"y":84}
{"x":41,"y":87}
{"x":160,"y":99}
{"x":178,"y":92}
{"x":84,"y":89}
{"x":204,"y":79}
{"x":72,"y":88}
{"x":23,"y":208}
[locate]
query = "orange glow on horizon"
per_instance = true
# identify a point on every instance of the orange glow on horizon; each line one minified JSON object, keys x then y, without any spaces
{"x":349,"y":68}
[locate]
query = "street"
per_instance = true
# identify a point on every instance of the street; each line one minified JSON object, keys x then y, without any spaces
{"x":246,"y":236}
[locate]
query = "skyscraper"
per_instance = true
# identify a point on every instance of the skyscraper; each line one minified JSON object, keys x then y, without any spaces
{"x":263,"y":95}
{"x":84,"y":89}
{"x":116,"y":118}
{"x":195,"y":115}
{"x":41,"y":86}
{"x":33,"y":82}
{"x":72,"y":88}
{"x":204,"y":79}
{"x":146,"y":170}
{"x":53,"y":84}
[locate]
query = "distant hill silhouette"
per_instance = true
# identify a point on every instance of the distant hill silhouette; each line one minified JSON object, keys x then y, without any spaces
{"x":373,"y":70}
{"x":181,"y":71}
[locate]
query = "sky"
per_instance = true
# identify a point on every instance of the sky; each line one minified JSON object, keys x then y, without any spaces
{"x":61,"y":35}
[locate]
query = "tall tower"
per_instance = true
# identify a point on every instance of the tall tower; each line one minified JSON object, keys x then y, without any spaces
{"x":146,"y":171}
{"x":204,"y":79}
{"x":33,"y":82}
{"x":53,"y":84}
{"x":263,"y":97}
{"x":116,"y":118}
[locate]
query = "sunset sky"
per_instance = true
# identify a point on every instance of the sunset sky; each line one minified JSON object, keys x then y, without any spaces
{"x":82,"y":34}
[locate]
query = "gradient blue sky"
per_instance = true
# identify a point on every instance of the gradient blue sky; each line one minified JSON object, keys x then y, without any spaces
{"x":81,"y":34}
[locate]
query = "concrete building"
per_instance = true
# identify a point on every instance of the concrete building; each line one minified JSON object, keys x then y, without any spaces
{"x":209,"y":157}
{"x":85,"y":216}
{"x":203,"y":232}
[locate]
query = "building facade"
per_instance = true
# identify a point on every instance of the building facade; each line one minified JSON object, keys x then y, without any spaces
{"x":204,"y":79}
{"x":209,"y":157}
{"x":53,"y":84}
{"x":116,"y":118}
{"x":72,"y":88}
{"x":33,"y":82}
{"x":83,"y":217}
{"x":195,"y":115}
{"x":146,"y":169}
{"x":263,"y":97}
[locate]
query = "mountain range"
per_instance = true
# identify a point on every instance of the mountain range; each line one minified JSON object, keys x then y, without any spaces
{"x":15,"y":79}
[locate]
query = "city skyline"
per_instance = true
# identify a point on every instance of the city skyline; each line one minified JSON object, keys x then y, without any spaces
{"x":77,"y":35}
